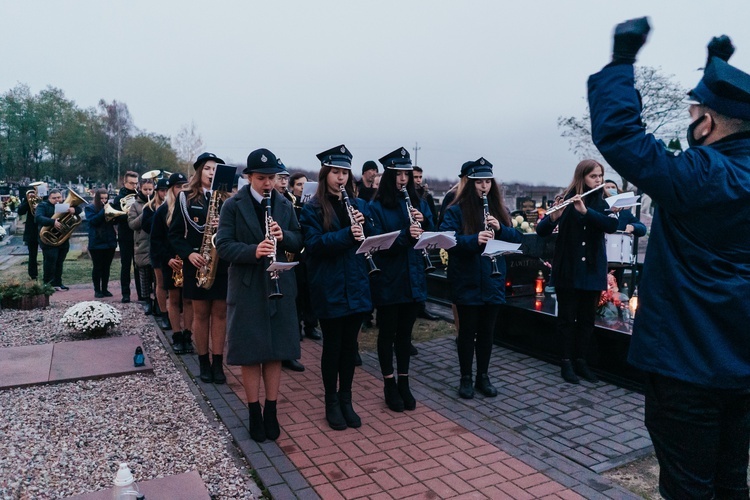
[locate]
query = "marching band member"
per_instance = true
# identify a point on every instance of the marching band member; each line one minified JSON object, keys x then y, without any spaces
{"x":476,"y":293}
{"x":579,"y":266}
{"x":401,"y":285}
{"x":339,"y":285}
{"x":159,"y":308}
{"x":262,"y":331}
{"x":186,"y":236}
{"x":164,"y":257}
{"x":626,"y":222}
{"x":140,"y":242}
{"x":102,"y":242}
{"x":125,"y":236}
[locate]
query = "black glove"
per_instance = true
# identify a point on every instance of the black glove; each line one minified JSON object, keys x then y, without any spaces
{"x":721,"y":47}
{"x":629,"y":38}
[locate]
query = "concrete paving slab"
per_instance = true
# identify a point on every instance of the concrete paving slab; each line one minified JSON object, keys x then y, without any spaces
{"x":25,"y":365}
{"x":187,"y":486}
{"x":95,"y":358}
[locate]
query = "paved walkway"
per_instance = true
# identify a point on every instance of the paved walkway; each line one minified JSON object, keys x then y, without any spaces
{"x":538,"y":439}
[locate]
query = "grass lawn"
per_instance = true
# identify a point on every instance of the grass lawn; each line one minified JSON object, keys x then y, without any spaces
{"x":423,"y":330}
{"x":77,"y":268}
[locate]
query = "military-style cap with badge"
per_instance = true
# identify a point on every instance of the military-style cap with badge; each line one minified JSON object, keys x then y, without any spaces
{"x":338,"y":157}
{"x":284,"y":170}
{"x":176,"y":179}
{"x":204,"y":157}
{"x":723,"y":88}
{"x":397,"y":160}
{"x":477,"y":169}
{"x":162,"y":184}
{"x":262,"y":161}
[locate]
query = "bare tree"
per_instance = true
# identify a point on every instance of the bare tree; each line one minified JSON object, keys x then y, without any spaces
{"x":118,"y":125}
{"x":188,"y":144}
{"x":663,"y":113}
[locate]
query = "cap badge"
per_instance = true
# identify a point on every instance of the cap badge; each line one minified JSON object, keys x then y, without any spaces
{"x":343,"y":149}
{"x":481,"y":162}
{"x":403,"y":152}
{"x":263,"y":158}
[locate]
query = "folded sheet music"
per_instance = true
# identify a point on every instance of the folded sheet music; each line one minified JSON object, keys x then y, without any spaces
{"x":431,"y":240}
{"x":281,"y":266}
{"x":623,"y":200}
{"x":498,"y":247}
{"x":373,"y":244}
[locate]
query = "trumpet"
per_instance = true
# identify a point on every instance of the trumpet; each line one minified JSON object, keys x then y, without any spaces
{"x":428,"y":267}
{"x":276,"y":292}
{"x":569,"y":201}
{"x":487,"y":227}
{"x":350,"y":210}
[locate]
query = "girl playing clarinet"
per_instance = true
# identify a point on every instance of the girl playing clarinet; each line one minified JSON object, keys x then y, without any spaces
{"x":333,"y":227}
{"x":579,"y":266}
{"x":399,"y":289}
{"x":477,"y":215}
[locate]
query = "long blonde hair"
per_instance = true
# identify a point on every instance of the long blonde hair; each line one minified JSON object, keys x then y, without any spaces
{"x":171,"y":201}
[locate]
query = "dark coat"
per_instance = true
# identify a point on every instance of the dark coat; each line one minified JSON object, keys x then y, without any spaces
{"x":580,"y":260}
{"x":259,"y":329}
{"x":43,"y":218}
{"x":625,"y":217}
{"x":338,"y":280}
{"x":124,"y":233}
{"x":469,"y":274}
{"x":183,"y":237}
{"x":30,"y":231}
{"x":692,"y":315}
{"x":160,"y":249}
{"x":402,"y":277}
{"x":101,"y":233}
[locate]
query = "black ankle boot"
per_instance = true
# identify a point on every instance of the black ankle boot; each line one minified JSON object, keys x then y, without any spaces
{"x":187,"y":340}
{"x":270,"y":422}
{"x":484,"y":386}
{"x":466,"y":389}
{"x":582,"y":370}
{"x":178,"y":345}
{"x":155,"y":308}
{"x":147,"y":308}
{"x":392,"y":397}
{"x":334,"y":416}
{"x":347,"y":410}
{"x":205,"y":365}
{"x":256,"y":428}
{"x":567,"y":373}
{"x":403,"y":390}
{"x":217,"y":369}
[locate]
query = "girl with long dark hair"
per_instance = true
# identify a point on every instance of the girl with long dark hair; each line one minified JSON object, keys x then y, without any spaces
{"x":401,"y":286}
{"x":102,"y":242}
{"x":579,"y":266}
{"x":476,"y":293}
{"x":338,"y":280}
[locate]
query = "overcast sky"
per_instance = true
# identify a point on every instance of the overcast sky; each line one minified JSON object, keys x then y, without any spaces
{"x":463,"y":79}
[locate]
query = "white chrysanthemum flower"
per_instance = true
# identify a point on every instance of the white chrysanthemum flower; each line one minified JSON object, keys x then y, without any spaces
{"x":91,"y":315}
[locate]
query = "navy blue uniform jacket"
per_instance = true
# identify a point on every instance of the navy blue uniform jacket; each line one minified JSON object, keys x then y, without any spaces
{"x":338,"y":280}
{"x":625,"y":217}
{"x":580,"y":260}
{"x":469,"y":274}
{"x":30,"y":231}
{"x":160,"y":249}
{"x":101,"y":233}
{"x":44,"y":216}
{"x":692,"y":320}
{"x":401,"y":278}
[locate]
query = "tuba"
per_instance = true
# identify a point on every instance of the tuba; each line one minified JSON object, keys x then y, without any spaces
{"x":32,"y":197}
{"x":50,"y":235}
{"x":156,"y":175}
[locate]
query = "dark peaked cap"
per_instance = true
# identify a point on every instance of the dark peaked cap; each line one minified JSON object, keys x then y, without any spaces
{"x":336,"y":157}
{"x":262,"y":161}
{"x":479,"y":169}
{"x":397,"y":160}
{"x":724,"y":89}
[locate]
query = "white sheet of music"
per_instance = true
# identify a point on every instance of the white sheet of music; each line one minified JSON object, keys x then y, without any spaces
{"x":498,"y":247}
{"x":623,"y":200}
{"x":380,"y":242}
{"x":61,"y":208}
{"x":281,"y":266}
{"x":308,"y":191}
{"x":430,"y":240}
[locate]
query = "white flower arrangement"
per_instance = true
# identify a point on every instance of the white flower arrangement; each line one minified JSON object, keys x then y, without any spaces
{"x":523,"y":226}
{"x":90,"y":316}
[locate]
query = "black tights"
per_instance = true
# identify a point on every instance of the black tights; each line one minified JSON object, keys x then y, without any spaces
{"x":339,"y":351}
{"x":101,"y":261}
{"x":475,"y":332}
{"x":576,"y":312}
{"x":395,"y":322}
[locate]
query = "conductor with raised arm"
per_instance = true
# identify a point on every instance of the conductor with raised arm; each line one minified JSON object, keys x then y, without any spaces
{"x":690,"y":334}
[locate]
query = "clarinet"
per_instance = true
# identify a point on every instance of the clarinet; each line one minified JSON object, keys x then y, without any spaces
{"x":350,"y":210}
{"x":487,"y":227}
{"x":428,"y":267}
{"x":276,"y":292}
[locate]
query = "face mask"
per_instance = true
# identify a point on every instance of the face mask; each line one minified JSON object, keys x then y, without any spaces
{"x":692,"y":141}
{"x":611,"y":192}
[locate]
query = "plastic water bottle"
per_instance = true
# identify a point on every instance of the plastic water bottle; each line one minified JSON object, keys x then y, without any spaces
{"x":125,"y":486}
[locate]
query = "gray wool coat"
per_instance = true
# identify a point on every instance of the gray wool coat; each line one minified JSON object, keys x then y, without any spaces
{"x":258,"y":329}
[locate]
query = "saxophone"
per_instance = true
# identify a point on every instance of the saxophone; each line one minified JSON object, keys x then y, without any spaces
{"x":177,"y":276}
{"x":206,"y":274}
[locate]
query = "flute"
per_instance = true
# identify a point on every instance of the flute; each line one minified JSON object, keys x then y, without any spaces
{"x":568,"y":202}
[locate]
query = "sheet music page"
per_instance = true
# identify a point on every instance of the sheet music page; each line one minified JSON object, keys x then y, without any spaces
{"x":379,"y":242}
{"x":430,"y":240}
{"x":498,"y":247}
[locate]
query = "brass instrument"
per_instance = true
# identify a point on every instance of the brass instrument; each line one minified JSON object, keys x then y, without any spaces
{"x":276,"y":292}
{"x":50,"y":235}
{"x":33,"y":198}
{"x":177,"y":276}
{"x":206,"y":274}
{"x":569,"y":201}
{"x":156,"y":174}
{"x":487,"y":227}
{"x":126,"y":202}
{"x":350,"y":210}
{"x":111,"y":213}
{"x":428,"y":267}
